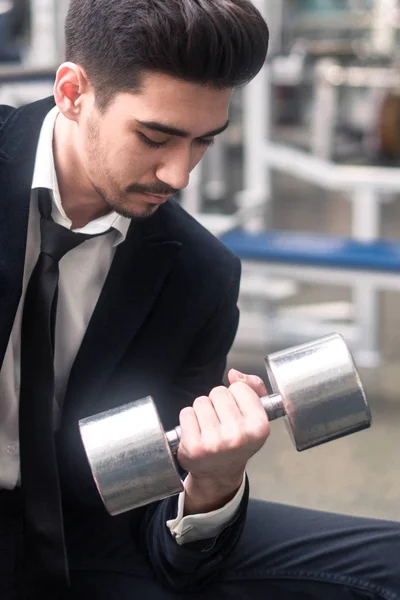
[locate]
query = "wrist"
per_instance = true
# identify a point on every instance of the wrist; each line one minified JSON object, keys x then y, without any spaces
{"x":203,"y":495}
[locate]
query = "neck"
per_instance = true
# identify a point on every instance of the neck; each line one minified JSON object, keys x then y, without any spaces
{"x":80,"y":200}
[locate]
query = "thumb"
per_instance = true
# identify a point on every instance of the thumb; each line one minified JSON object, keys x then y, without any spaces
{"x":252,"y":381}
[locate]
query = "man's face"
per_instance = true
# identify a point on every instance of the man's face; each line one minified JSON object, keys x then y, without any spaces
{"x":130,"y":153}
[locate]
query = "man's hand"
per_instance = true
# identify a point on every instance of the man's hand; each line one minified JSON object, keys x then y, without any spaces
{"x":220,"y":433}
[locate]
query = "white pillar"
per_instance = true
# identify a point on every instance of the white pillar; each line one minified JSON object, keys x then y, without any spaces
{"x":258,"y":121}
{"x":366,"y":297}
{"x":257,"y":117}
{"x":273,"y":12}
{"x":384,"y":31}
{"x":216,"y":166}
{"x":191,"y":199}
{"x":324,"y":113}
{"x":366,"y":214}
{"x":43,"y":50}
{"x":61,"y":7}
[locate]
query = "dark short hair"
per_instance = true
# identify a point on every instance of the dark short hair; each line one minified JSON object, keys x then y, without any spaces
{"x":220,"y":43}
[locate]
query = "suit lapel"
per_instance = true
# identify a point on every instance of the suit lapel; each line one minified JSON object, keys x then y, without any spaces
{"x":18,"y":142}
{"x":139,"y":269}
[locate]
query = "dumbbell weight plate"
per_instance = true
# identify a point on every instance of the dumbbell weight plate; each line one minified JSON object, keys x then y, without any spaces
{"x":321,"y":391}
{"x":130,"y":458}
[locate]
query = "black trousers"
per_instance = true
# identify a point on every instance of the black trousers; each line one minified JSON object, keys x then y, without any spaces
{"x":285,"y":553}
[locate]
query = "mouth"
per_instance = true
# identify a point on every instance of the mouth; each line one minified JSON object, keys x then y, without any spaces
{"x":156,"y":199}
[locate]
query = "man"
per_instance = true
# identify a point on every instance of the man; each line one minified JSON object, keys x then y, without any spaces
{"x":111,"y":292}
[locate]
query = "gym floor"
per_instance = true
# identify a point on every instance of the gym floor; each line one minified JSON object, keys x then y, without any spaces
{"x":360,"y":474}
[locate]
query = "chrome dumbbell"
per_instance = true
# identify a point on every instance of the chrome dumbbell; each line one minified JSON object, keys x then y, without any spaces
{"x":314,"y":386}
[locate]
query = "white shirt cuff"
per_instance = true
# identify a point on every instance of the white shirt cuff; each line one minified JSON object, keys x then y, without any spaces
{"x":193,"y":528}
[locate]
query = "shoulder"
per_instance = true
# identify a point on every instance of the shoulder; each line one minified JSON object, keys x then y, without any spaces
{"x":6,"y":116}
{"x":201,"y":250}
{"x":5,"y":112}
{"x":20,"y":129}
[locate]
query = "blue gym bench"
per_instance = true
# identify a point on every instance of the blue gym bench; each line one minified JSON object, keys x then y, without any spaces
{"x":315,"y":250}
{"x":366,"y":266}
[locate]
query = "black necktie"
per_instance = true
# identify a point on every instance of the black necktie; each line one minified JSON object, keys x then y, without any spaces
{"x":46,"y":558}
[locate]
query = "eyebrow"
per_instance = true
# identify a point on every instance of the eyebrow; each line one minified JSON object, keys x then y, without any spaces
{"x":162,"y":128}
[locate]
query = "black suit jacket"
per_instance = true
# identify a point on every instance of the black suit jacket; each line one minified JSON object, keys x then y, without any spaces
{"x":163,"y":325}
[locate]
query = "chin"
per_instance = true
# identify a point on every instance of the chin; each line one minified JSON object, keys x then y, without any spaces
{"x":136,"y":214}
{"x":128,"y":205}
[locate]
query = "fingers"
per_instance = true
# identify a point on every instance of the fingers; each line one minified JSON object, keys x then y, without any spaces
{"x":190,"y":427}
{"x":205,"y":413}
{"x":220,"y":433}
{"x":247,"y":400}
{"x":199,"y":422}
{"x":225,"y":406}
{"x":247,"y":391}
{"x":213,"y":420}
{"x":227,"y":414}
{"x":256,"y":383}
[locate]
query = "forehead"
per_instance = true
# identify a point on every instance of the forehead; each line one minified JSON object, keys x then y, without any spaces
{"x":190,"y":106}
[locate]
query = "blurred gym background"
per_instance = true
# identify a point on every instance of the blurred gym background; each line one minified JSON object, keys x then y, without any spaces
{"x":305,"y":187}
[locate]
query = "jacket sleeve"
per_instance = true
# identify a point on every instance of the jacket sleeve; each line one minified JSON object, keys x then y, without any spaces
{"x":190,"y":567}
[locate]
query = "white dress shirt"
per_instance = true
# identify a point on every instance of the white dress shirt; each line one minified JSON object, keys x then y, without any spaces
{"x":83,"y":272}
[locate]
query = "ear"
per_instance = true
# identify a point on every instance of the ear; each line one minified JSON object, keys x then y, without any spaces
{"x":70,"y":88}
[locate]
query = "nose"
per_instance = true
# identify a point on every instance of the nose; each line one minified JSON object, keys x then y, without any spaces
{"x":175,"y":169}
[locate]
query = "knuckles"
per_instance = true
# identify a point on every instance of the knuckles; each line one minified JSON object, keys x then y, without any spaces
{"x":201,"y":401}
{"x":223,"y":442}
{"x":219,"y":391}
{"x":239,"y":386}
{"x":186,"y":412}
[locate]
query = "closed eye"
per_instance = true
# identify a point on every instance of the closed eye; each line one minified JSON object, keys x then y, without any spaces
{"x":152,"y":144}
{"x":149,"y":142}
{"x":207,"y":143}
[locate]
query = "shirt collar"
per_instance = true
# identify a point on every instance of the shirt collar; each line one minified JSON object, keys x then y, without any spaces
{"x":45,"y":176}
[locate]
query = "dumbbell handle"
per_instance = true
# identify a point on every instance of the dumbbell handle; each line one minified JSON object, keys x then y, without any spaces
{"x":273,"y":406}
